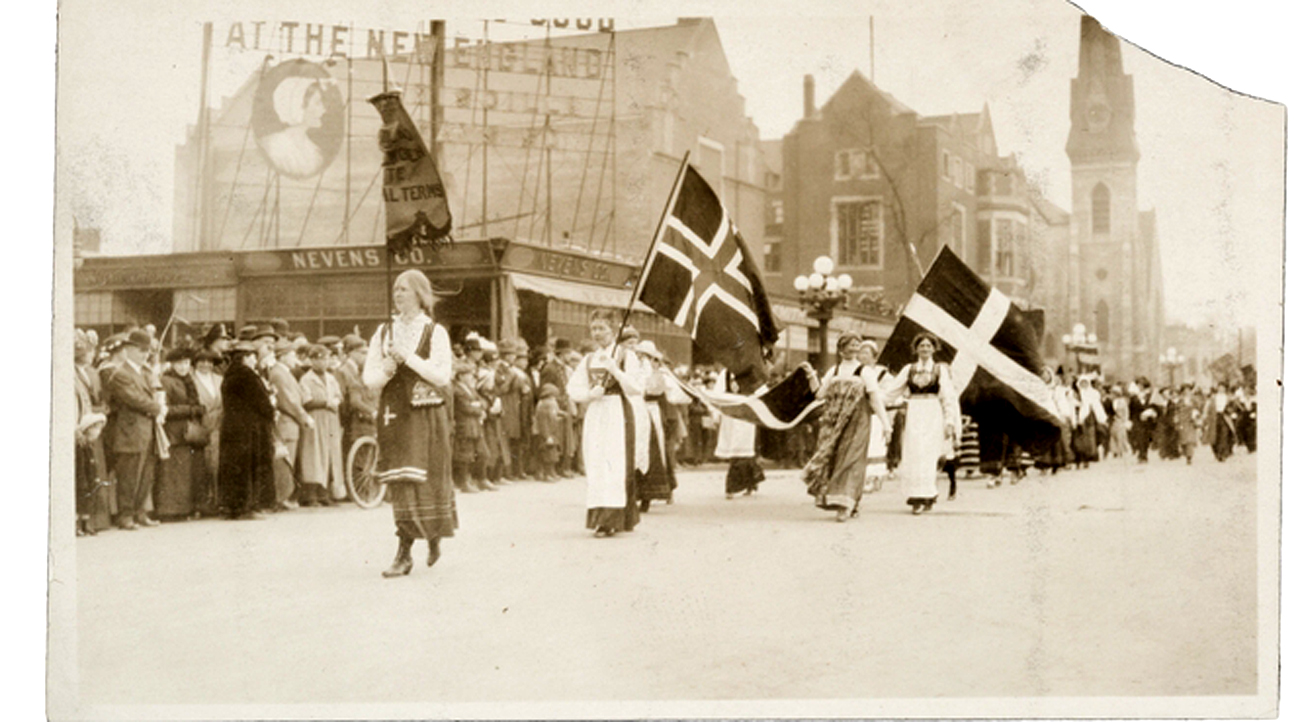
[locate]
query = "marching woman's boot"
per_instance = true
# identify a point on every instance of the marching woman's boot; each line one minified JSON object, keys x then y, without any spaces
{"x":402,"y":563}
{"x":435,"y":550}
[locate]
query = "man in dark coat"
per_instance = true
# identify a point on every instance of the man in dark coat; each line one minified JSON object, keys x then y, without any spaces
{"x":1143,"y":412}
{"x":133,"y":416}
{"x":246,"y":478}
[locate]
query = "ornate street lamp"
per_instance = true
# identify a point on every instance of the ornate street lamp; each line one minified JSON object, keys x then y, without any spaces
{"x":1172,"y":360}
{"x":820,"y":293}
{"x":1079,"y":341}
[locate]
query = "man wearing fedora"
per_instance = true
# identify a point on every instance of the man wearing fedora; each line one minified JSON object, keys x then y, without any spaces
{"x":133,"y":415}
{"x":293,"y":418}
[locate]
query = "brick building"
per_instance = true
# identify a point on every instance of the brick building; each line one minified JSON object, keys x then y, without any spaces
{"x":879,"y":188}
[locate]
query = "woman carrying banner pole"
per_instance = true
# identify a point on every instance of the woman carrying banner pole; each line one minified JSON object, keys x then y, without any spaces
{"x":932,"y":419}
{"x":409,"y":363}
{"x":604,"y":380}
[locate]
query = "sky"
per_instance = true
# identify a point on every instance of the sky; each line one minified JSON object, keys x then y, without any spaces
{"x":129,"y":86}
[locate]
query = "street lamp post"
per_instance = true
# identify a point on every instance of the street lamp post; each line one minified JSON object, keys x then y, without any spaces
{"x":1172,"y":360}
{"x":820,"y":293}
{"x":1078,"y":341}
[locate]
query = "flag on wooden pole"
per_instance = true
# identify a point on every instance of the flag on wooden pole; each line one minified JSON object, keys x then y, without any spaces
{"x":990,"y":345}
{"x":415,"y":200}
{"x":700,"y":275}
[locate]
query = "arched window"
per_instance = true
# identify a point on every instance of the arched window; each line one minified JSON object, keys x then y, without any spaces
{"x":1103,"y":321}
{"x":1100,"y":209}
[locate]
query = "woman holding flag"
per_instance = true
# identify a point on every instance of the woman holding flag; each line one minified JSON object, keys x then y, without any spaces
{"x":932,"y":420}
{"x":837,"y":472}
{"x":605,"y":380}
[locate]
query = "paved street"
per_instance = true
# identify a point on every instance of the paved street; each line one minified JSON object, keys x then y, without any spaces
{"x":1120,"y":580}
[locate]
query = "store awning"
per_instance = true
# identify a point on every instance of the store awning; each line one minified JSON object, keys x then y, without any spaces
{"x":584,"y":293}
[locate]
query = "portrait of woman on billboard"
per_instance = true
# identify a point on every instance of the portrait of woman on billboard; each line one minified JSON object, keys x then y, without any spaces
{"x":298,"y":118}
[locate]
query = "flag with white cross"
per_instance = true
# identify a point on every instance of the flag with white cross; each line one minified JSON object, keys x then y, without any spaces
{"x":701,"y":276}
{"x":990,"y":345}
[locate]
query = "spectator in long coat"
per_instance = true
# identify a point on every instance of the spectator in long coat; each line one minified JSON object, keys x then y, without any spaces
{"x":511,"y":384}
{"x":246,"y":479}
{"x":554,"y":372}
{"x":174,"y":494}
{"x":321,"y":451}
{"x":293,"y":420}
{"x":360,"y":402}
{"x":89,"y":449}
{"x":467,"y":446}
{"x":208,"y":384}
{"x":133,"y":414}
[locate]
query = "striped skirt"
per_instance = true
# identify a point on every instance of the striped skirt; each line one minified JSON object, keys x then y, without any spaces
{"x":416,"y":466}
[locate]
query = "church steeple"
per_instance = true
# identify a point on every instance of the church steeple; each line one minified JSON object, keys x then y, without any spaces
{"x":1101,"y":101}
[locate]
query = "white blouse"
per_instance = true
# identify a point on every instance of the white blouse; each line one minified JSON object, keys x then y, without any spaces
{"x":405,"y":338}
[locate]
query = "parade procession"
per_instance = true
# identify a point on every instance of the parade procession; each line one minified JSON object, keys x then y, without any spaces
{"x":519,"y":356}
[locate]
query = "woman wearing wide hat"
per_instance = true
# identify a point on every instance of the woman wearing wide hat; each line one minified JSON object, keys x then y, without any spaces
{"x":409,"y":362}
{"x":174,"y":494}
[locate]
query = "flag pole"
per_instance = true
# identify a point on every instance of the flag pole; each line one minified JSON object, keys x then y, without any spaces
{"x":659,"y":229}
{"x":388,"y":248}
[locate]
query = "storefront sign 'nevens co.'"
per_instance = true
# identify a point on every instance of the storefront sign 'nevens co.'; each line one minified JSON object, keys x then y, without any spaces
{"x":462,"y":255}
{"x":568,"y":266}
{"x":320,"y":260}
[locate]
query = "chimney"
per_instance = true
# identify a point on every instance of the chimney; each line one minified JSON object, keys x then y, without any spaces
{"x":809,"y":97}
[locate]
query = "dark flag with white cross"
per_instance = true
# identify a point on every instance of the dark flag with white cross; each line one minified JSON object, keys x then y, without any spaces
{"x":990,"y":345}
{"x":701,"y":276}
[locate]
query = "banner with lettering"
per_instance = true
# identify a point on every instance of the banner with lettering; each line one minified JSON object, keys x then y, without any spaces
{"x":415,"y":201}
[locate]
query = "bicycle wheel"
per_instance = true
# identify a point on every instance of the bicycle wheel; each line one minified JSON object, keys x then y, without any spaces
{"x":363,"y":483}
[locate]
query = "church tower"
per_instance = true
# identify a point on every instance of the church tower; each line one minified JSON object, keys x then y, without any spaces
{"x":1114,"y":287}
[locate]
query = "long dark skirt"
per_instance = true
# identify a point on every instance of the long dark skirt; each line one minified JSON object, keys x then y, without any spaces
{"x":1059,"y":454}
{"x":659,"y":481}
{"x":1224,"y":439}
{"x":1085,"y":440}
{"x":173,"y":494}
{"x":87,"y":481}
{"x":894,"y":456}
{"x":426,"y":509}
{"x":744,"y":475}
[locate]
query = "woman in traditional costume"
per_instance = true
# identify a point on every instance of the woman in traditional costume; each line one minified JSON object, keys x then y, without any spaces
{"x":409,"y":363}
{"x":737,"y":444}
{"x":932,"y":419}
{"x":660,"y":479}
{"x":1090,"y":419}
{"x":838,"y":471}
{"x":605,"y":380}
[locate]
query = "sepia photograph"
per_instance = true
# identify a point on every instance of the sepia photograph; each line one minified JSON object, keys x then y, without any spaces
{"x":697,"y":360}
